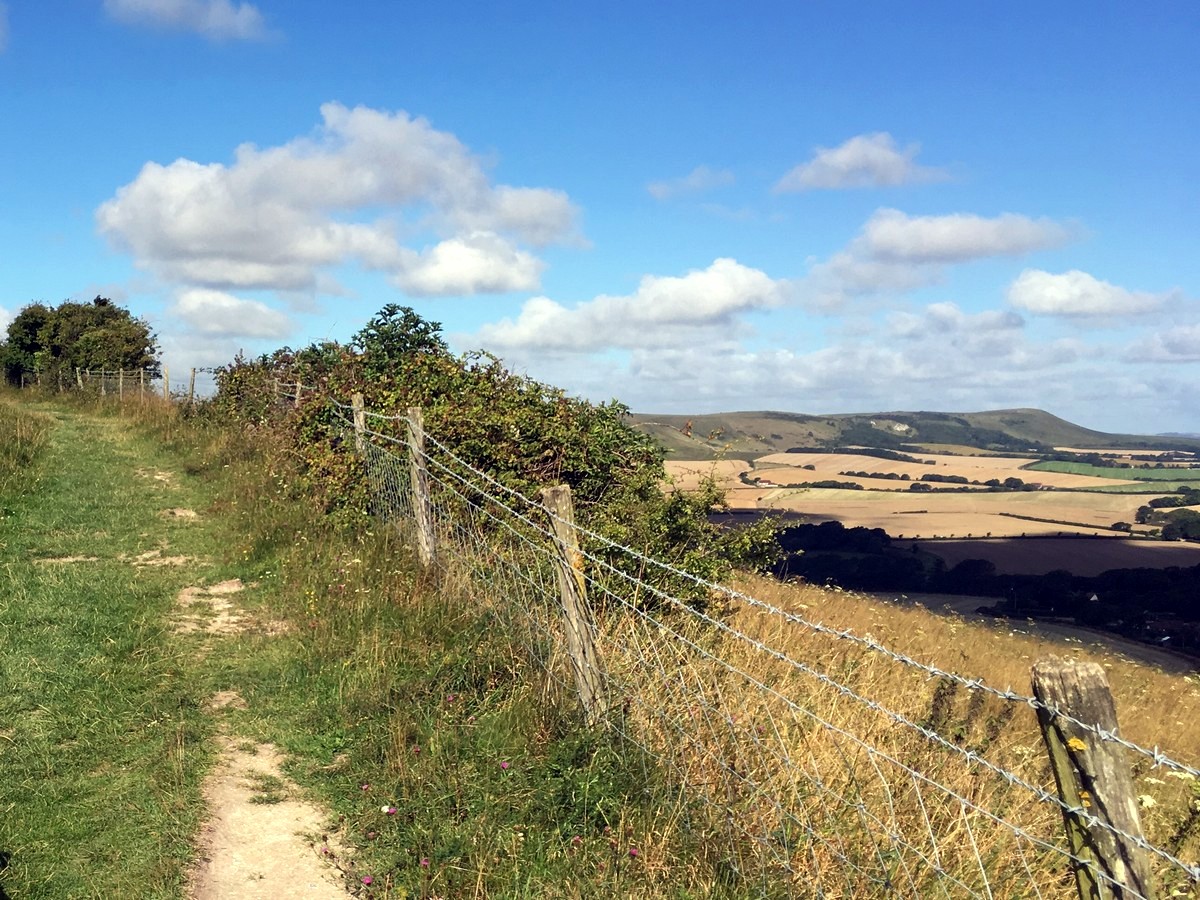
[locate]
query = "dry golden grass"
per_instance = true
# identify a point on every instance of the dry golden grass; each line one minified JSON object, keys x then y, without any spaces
{"x":812,"y":786}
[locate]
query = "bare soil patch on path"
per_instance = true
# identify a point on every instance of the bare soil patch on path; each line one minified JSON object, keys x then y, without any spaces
{"x":261,"y":840}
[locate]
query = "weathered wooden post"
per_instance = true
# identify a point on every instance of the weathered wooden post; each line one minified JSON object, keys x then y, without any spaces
{"x":1092,"y":775}
{"x":422,"y":505}
{"x":192,"y":388}
{"x":580,"y":628}
{"x":121,"y":383}
{"x":166,"y":383}
{"x":60,"y":387}
{"x":79,"y":377}
{"x":142,"y":383}
{"x":103,"y":383}
{"x":360,"y":422}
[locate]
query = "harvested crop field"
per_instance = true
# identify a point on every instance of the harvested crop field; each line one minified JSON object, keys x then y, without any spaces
{"x":686,"y":475}
{"x":950,"y":513}
{"x":781,"y":468}
{"x":1081,"y":556}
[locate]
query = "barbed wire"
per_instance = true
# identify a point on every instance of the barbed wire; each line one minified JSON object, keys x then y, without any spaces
{"x":1155,"y":755}
{"x":969,"y":757}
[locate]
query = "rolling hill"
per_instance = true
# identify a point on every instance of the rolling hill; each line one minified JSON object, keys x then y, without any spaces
{"x":751,"y":434}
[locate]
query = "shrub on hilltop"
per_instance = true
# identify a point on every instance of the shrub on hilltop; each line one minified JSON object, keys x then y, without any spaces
{"x":520,"y":432}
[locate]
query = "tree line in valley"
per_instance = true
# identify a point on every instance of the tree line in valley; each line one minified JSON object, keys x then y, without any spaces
{"x":1129,"y":601}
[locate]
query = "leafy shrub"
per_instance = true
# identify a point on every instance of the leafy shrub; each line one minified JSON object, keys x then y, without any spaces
{"x":520,"y":432}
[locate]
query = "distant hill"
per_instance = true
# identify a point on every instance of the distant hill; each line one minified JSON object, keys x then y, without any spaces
{"x":750,"y":434}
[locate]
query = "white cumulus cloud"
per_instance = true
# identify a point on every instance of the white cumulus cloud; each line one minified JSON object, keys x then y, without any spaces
{"x":216,"y":19}
{"x":479,"y":262}
{"x":895,"y":236}
{"x":895,"y":252}
{"x":5,"y":320}
{"x":868,"y":160}
{"x":218,"y":314}
{"x":1078,"y":294}
{"x":699,"y":180}
{"x":701,"y":306}
{"x":278,"y":218}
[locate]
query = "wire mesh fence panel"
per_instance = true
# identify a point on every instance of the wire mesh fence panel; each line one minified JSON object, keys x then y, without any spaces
{"x":782,"y":775}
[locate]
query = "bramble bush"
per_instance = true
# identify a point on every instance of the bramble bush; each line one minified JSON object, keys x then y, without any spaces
{"x":521,"y":432}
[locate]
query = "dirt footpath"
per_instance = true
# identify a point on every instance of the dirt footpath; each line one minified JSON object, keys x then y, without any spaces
{"x":260,"y":842}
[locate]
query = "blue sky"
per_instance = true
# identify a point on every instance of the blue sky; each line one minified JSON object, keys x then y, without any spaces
{"x":817,"y":207}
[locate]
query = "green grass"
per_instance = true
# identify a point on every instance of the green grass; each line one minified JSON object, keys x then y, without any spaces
{"x":1180,"y":475}
{"x":100,"y":718}
{"x":384,"y":689}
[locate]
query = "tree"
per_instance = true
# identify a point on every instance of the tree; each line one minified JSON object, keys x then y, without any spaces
{"x":394,"y":333}
{"x":96,"y":335}
{"x":19,"y":353}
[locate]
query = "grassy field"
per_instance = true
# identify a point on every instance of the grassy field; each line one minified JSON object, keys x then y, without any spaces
{"x":104,"y":741}
{"x":1075,"y":468}
{"x":413,"y":708}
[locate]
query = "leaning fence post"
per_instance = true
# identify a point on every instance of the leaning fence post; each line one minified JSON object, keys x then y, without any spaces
{"x":192,"y":388}
{"x":1093,"y":780}
{"x":581,"y":637}
{"x":422,"y":506}
{"x":360,"y":422}
{"x":299,"y":393}
{"x":79,"y":377}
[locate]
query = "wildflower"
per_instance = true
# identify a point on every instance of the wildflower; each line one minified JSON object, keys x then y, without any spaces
{"x":424,"y":862}
{"x":504,"y":765}
{"x":416,"y":750}
{"x":371,"y":835}
{"x":368,"y":880}
{"x":633,"y":852}
{"x":390,"y":810}
{"x":577,"y":841}
{"x":364,"y":786}
{"x":449,"y":698}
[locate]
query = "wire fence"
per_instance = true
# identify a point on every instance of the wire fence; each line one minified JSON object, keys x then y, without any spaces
{"x":183,"y":384}
{"x":803,"y":781}
{"x":779,"y":766}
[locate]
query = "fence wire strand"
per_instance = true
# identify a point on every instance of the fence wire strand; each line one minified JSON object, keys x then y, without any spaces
{"x":813,"y":800}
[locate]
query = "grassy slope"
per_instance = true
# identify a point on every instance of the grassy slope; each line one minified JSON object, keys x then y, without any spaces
{"x":385,"y":688}
{"x":755,"y":433}
{"x":102,"y":729}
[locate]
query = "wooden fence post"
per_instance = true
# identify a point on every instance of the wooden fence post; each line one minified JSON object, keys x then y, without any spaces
{"x":141,"y":383}
{"x":121,"y":383}
{"x":103,"y":383}
{"x":192,"y":388}
{"x":166,"y":383}
{"x":60,"y":387}
{"x":299,"y":393}
{"x":422,"y":506}
{"x":79,"y":378}
{"x":581,"y":631}
{"x":1092,"y":774}
{"x":360,"y":422}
